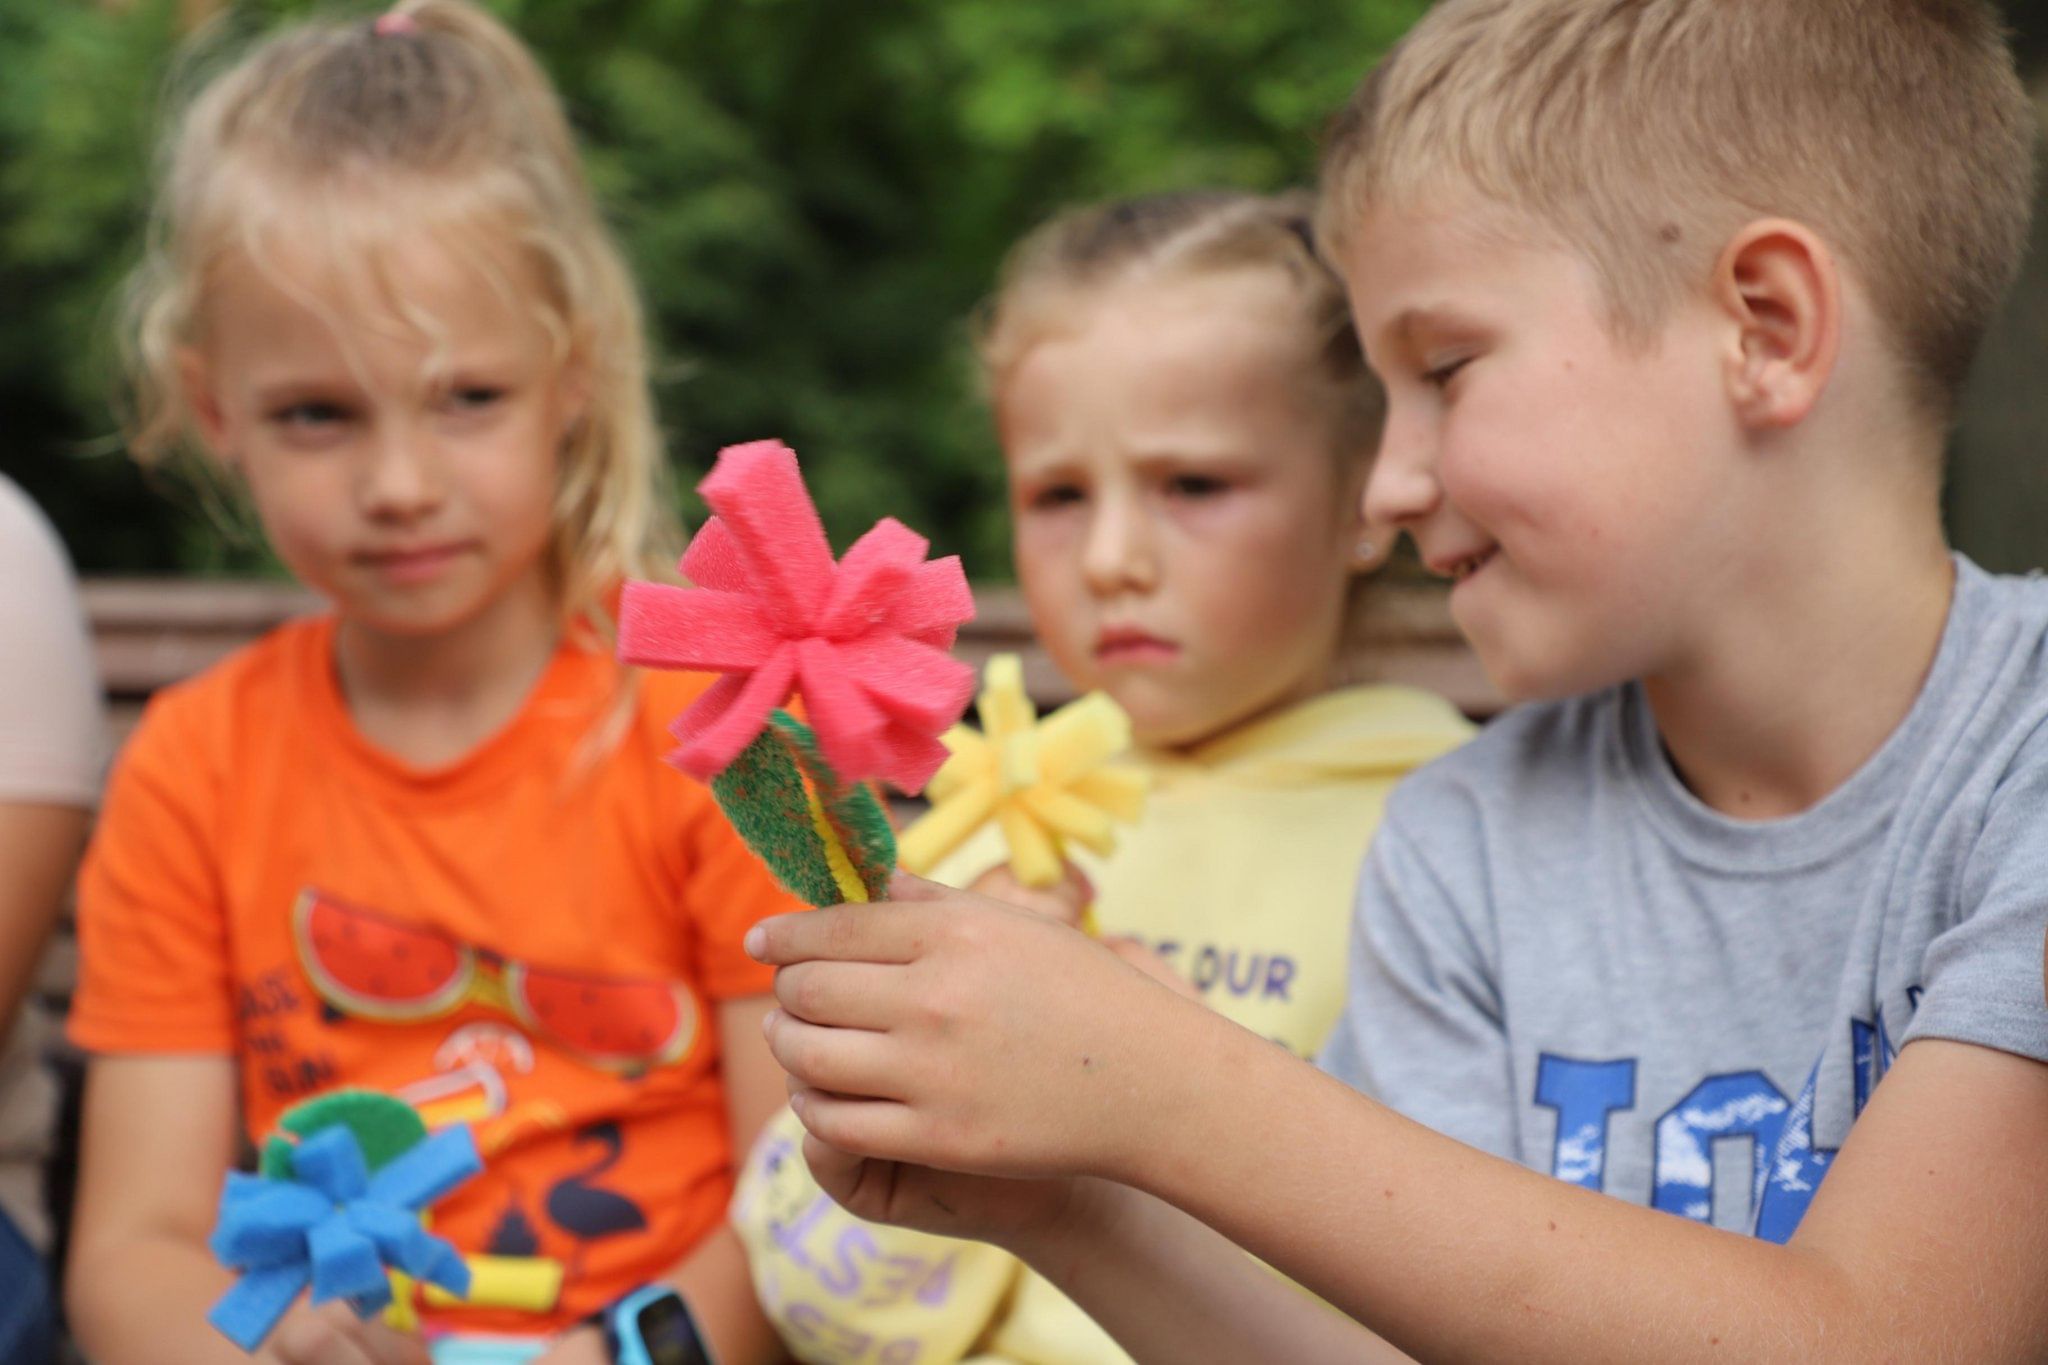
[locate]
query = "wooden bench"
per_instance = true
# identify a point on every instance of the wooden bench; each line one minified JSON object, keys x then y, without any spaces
{"x":152,"y":632}
{"x":149,"y":633}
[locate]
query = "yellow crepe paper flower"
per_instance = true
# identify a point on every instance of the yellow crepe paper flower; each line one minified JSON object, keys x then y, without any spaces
{"x":1042,"y":782}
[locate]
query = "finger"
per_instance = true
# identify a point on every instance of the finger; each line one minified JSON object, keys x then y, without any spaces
{"x":1131,"y":949}
{"x":907,"y":888}
{"x":859,"y":995}
{"x":319,"y":1338}
{"x":388,"y":1347}
{"x":882,"y":1129}
{"x":845,"y":1061}
{"x":1153,"y":965}
{"x":861,"y":1186}
{"x":838,"y":1173}
{"x":1074,"y":893}
{"x":907,"y":891}
{"x":998,"y":882}
{"x":842,"y":933}
{"x":1083,"y":885}
{"x":1059,"y":901}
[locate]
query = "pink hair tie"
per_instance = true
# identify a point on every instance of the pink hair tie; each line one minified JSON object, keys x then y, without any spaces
{"x":391,"y":24}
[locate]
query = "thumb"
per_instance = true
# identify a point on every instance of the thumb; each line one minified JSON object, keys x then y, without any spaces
{"x":837,"y":1172}
{"x":905,"y":886}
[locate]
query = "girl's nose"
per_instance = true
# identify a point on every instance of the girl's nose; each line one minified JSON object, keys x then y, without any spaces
{"x":1120,"y":555}
{"x":402,"y":481}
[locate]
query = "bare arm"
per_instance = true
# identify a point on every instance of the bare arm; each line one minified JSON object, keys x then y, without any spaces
{"x":159,"y":1137}
{"x":39,"y":848}
{"x":1166,"y":1287}
{"x":713,"y":1278}
{"x":1927,"y":1241}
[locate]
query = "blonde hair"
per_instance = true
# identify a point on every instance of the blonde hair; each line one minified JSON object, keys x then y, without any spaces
{"x":438,"y":112}
{"x":1053,"y":272}
{"x":1074,"y":256}
{"x":1646,"y":132}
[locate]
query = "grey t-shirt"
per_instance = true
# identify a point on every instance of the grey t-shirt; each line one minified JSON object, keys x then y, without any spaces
{"x":1562,"y":957}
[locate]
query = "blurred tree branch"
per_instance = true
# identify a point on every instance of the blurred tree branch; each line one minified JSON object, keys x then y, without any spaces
{"x":814,"y":193}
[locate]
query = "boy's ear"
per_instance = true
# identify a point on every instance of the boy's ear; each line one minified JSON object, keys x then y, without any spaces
{"x":1779,"y":283}
{"x":195,"y":382}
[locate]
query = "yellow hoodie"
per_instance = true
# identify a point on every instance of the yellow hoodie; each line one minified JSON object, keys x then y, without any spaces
{"x":1240,"y":874}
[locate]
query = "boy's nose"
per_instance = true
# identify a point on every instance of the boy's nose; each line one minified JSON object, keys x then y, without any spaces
{"x":1120,"y":555}
{"x":403,"y":479}
{"x":1403,"y":487}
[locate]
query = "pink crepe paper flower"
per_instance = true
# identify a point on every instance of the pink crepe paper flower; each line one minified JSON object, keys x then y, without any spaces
{"x":862,"y":641}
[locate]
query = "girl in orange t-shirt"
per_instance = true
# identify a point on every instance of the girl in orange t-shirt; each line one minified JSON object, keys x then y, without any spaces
{"x":424,"y":843}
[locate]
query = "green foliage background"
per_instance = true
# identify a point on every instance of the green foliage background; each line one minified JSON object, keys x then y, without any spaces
{"x":815,"y":194}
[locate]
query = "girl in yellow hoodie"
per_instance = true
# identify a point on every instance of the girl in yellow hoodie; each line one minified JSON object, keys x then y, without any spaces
{"x":1187,"y":423}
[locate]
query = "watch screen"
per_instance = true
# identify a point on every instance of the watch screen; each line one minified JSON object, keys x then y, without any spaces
{"x":669,"y":1335}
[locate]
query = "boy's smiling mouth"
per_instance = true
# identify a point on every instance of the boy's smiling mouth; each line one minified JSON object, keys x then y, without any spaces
{"x":1464,"y":566}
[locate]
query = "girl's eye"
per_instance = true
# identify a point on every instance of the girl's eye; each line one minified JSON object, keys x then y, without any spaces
{"x":310,"y":417}
{"x":1054,"y":496}
{"x":1196,"y":486}
{"x":474,"y":397}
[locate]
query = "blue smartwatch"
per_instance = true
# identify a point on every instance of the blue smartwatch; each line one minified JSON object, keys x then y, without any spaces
{"x":652,"y":1326}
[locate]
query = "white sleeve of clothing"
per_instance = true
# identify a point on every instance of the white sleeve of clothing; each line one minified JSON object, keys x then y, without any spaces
{"x":53,"y":737}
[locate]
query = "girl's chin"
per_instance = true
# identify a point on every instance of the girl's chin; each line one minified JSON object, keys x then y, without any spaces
{"x":1158,"y":718}
{"x":1155,"y":728}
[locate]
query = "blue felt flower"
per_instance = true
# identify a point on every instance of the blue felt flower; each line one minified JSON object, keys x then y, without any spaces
{"x":336,"y":1227}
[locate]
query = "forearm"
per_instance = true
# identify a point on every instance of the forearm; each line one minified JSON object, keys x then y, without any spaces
{"x":1171,"y":1290}
{"x":715,"y":1283}
{"x":1457,"y":1255}
{"x":143,"y":1300}
{"x":922,"y":1033}
{"x":714,"y":1278}
{"x":39,"y":847}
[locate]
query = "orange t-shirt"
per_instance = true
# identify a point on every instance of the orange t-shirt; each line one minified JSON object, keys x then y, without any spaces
{"x":500,"y":941}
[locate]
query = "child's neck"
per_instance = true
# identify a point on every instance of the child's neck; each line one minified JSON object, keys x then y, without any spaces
{"x":1802,"y":678}
{"x":428,"y":700}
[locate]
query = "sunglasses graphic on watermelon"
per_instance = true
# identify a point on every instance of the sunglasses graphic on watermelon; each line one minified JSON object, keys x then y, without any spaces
{"x":370,"y":966}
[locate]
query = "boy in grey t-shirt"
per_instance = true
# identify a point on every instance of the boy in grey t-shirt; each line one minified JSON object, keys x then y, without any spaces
{"x":1565,"y":957}
{"x":1672,"y":299}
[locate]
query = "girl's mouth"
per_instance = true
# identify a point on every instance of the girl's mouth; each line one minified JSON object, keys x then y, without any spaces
{"x":414,"y":564}
{"x":1124,"y":645}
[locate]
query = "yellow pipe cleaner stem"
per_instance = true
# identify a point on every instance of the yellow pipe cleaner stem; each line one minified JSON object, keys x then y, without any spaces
{"x":850,"y":884}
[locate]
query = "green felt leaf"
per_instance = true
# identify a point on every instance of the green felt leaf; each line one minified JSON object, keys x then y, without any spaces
{"x":764,"y":793}
{"x":384,"y":1127}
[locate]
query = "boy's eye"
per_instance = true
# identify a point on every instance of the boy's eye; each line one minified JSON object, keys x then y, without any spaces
{"x":1445,"y":373}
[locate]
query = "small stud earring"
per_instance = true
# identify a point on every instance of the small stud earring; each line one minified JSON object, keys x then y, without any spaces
{"x":1366,"y":550}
